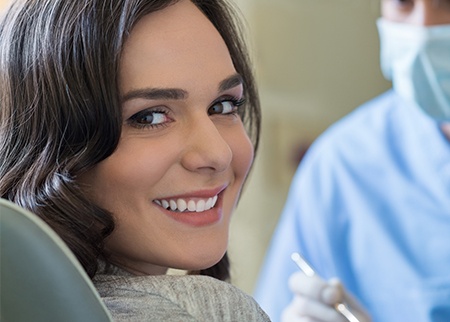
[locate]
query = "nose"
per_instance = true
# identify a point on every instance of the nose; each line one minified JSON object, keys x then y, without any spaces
{"x":206,"y":149}
{"x":429,"y":13}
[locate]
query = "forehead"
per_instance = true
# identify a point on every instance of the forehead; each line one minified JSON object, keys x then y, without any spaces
{"x":405,"y":3}
{"x":418,"y":12}
{"x":174,"y":43}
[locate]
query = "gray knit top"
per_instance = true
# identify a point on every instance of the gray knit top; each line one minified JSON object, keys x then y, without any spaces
{"x":170,"y":298}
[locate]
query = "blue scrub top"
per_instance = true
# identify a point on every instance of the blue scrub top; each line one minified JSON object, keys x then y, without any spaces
{"x":370,"y":204}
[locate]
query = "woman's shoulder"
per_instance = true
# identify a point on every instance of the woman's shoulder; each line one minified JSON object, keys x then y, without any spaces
{"x":191,"y":297}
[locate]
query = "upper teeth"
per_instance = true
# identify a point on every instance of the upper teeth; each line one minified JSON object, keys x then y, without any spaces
{"x":191,"y":205}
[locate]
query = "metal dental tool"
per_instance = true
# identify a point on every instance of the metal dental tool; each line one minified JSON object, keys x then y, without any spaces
{"x":307,"y":269}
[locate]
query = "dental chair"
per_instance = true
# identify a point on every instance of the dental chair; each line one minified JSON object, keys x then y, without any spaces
{"x":40,"y":278}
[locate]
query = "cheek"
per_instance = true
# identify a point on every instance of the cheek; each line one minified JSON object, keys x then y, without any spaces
{"x":128,"y":174}
{"x":243,"y":154}
{"x":393,"y":11}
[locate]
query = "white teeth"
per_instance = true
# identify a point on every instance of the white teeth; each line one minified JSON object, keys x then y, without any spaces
{"x":182,"y":206}
{"x":191,"y":205}
{"x":200,"y":206}
{"x":209,"y":203}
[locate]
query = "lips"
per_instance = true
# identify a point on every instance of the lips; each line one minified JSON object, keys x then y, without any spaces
{"x":198,"y":209}
{"x":188,"y":204}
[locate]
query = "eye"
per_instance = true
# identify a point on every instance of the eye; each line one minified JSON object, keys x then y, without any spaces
{"x":404,"y":3}
{"x":226,"y":106}
{"x":149,"y":118}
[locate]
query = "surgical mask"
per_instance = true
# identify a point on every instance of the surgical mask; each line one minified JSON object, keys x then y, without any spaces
{"x":417,"y":61}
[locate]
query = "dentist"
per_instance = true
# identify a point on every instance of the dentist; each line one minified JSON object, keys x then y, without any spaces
{"x":370,"y":203}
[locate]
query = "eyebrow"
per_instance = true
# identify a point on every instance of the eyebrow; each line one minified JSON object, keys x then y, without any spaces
{"x":230,"y":82}
{"x":177,"y":93}
{"x":156,"y":94}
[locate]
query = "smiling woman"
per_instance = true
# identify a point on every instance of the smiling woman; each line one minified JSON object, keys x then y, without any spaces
{"x":130,"y":126}
{"x":174,"y":137}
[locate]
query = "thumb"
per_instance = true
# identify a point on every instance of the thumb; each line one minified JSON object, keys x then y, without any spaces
{"x":334,"y":292}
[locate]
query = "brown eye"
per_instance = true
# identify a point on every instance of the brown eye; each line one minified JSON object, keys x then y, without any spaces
{"x":404,"y":3}
{"x":225,"y":107}
{"x":149,"y":118}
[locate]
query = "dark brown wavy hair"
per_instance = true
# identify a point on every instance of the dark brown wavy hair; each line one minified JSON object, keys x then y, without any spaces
{"x":60,"y":111}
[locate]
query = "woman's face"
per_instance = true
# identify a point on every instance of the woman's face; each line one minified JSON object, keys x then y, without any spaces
{"x":417,"y":12}
{"x":183,"y":155}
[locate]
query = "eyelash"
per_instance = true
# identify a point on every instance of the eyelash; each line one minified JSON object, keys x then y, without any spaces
{"x":235,"y":102}
{"x":404,"y":3}
{"x":134,"y":120}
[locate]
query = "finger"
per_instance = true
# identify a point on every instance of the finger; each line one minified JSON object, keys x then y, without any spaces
{"x":294,"y":313}
{"x":309,"y":286}
{"x":289,"y":315}
{"x":333,"y":293}
{"x":306,"y":307}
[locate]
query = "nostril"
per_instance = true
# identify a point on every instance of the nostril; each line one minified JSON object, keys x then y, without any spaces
{"x":211,"y":159}
{"x":206,"y":150}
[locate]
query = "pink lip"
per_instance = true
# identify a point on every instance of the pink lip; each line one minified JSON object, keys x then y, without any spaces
{"x":198,"y":194}
{"x":198,"y":219}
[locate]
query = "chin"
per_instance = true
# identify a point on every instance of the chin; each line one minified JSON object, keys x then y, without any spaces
{"x":202,"y":261}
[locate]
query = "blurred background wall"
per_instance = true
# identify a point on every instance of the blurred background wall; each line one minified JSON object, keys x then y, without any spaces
{"x":315,"y":61}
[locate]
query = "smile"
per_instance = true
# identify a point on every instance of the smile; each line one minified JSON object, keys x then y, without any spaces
{"x":188,"y":205}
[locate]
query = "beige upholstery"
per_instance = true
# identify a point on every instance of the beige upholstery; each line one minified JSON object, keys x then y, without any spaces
{"x":40,"y":278}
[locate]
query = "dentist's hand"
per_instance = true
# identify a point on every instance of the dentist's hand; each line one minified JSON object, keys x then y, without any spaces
{"x":314,"y":300}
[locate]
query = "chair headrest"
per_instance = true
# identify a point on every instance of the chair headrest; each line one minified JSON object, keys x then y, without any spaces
{"x":41,"y":279}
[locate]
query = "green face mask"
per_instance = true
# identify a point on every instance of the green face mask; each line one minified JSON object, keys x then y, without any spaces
{"x":417,"y":61}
